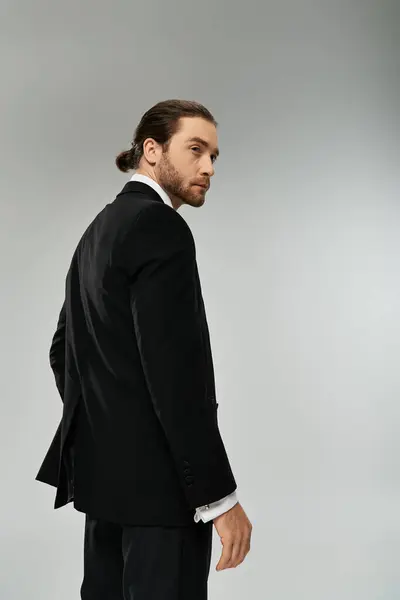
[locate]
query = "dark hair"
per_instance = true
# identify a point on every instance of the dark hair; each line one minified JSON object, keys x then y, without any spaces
{"x":160,"y":122}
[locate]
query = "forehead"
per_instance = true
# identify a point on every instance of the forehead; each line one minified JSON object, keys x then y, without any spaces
{"x":196,"y":127}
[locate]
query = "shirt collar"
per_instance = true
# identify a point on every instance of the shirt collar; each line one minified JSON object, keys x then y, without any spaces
{"x":156,"y":186}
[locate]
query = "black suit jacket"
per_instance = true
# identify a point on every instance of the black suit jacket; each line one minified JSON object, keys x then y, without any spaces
{"x":138,"y":442}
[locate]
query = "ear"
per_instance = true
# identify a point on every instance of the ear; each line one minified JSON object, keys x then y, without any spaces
{"x":152,"y":151}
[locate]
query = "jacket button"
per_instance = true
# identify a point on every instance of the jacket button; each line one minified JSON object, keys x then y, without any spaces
{"x":189,"y":479}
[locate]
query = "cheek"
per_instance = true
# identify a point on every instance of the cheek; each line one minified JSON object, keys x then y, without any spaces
{"x":187,"y":172}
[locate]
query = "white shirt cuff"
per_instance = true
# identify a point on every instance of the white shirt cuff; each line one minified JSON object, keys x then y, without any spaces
{"x":215,"y":509}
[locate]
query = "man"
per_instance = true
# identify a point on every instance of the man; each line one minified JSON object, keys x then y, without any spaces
{"x":138,"y":448}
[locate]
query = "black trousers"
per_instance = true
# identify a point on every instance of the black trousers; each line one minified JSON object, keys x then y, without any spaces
{"x":146,"y":562}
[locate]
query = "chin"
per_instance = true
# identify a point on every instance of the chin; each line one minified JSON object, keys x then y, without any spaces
{"x":198,"y":201}
{"x":200,"y":198}
{"x":194,"y":200}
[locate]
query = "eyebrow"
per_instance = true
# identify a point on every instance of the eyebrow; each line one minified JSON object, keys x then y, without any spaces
{"x":200,"y":140}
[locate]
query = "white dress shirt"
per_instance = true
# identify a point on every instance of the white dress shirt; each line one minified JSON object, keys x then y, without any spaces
{"x":209,"y":511}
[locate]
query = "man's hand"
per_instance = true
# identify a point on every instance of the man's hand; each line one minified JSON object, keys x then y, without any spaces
{"x":234,"y":530}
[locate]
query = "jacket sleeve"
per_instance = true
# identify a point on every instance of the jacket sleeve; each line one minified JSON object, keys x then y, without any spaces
{"x":57,"y":353}
{"x":164,"y":295}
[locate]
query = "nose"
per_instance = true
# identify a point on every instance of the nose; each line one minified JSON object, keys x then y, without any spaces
{"x":207,"y":168}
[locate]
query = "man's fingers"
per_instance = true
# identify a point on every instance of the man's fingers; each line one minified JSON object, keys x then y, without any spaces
{"x":244,"y":549}
{"x":240,"y":549}
{"x":226,"y":554}
{"x":235,"y":556}
{"x":234,"y":552}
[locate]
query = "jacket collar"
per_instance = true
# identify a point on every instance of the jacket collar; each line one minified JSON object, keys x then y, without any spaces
{"x":142,"y":188}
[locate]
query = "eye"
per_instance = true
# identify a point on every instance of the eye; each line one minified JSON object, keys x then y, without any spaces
{"x":198,"y":149}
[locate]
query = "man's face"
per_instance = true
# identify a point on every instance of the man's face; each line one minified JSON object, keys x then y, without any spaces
{"x":185,"y":170}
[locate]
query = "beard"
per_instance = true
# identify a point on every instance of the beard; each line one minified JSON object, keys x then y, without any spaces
{"x":173,"y":183}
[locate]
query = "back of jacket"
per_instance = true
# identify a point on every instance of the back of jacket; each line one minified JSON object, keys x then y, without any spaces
{"x":139,"y":441}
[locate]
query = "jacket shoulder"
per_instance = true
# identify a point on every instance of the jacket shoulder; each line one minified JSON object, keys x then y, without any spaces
{"x":158,"y":233}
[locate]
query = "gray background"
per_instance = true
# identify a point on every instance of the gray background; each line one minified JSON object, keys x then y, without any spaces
{"x":298,"y":250}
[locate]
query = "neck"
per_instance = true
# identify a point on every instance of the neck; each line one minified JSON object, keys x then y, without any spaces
{"x":175,"y":201}
{"x":149,"y":173}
